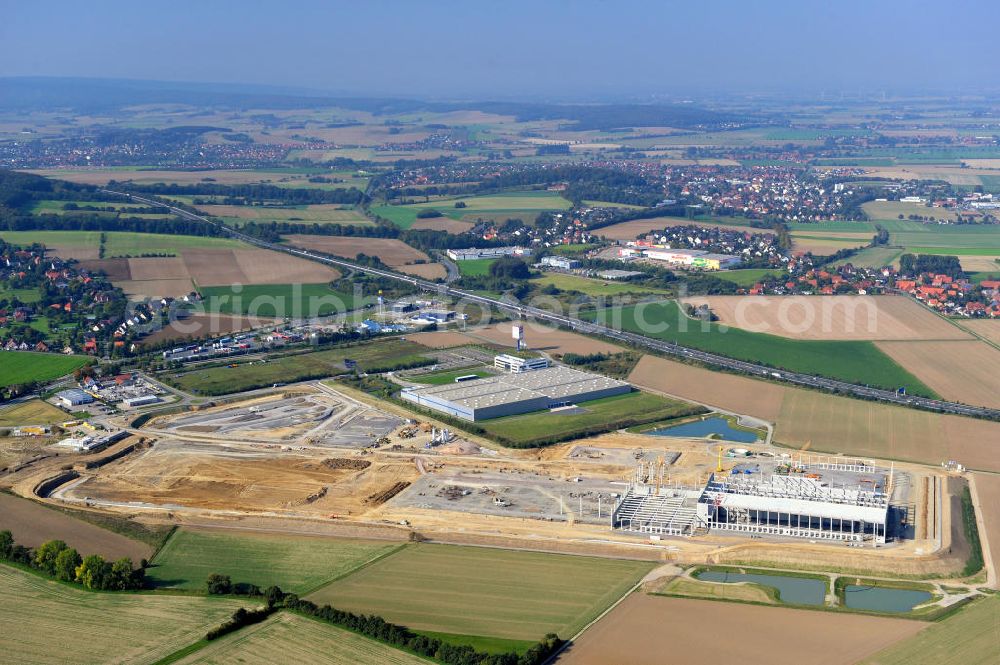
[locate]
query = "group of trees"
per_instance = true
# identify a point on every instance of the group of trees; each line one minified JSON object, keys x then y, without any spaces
{"x":910,"y":264}
{"x":60,"y":561}
{"x":372,"y":626}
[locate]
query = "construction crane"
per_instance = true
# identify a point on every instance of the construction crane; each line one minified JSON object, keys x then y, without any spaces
{"x":718,"y":467}
{"x":659,"y":474}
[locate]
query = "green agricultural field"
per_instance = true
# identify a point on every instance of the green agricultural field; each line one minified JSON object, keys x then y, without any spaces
{"x":748,"y":276}
{"x":475,"y":267}
{"x":303,"y":214}
{"x":875,"y":257}
{"x":852,"y":361}
{"x":441,"y":378}
{"x":290,"y":638}
{"x":31,"y":412}
{"x":600,"y":415}
{"x":278,"y":300}
{"x":64,"y":625}
{"x":485,"y":592}
{"x":514,"y":204}
{"x":64,"y":239}
{"x":594,"y":287}
{"x":970,"y":636}
{"x":26,"y":366}
{"x":957,"y":239}
{"x":26,"y":296}
{"x":295,"y":563}
{"x":121,"y":243}
{"x":891,"y":210}
{"x":612,"y":204}
{"x":222,"y":380}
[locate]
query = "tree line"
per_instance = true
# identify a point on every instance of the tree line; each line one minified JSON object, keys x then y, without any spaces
{"x":61,"y":562}
{"x":370,"y":625}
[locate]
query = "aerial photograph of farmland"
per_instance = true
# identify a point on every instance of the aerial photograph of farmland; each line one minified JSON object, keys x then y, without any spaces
{"x":562,"y":333}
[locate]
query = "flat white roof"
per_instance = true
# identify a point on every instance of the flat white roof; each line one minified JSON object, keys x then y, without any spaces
{"x":551,"y":382}
{"x":840,"y":511}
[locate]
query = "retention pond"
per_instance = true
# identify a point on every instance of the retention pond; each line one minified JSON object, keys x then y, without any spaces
{"x":707,"y":427}
{"x":883,"y":599}
{"x":792,"y":590}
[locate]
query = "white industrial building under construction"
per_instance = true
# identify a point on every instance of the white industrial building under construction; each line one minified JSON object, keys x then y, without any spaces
{"x":823,"y":499}
{"x":518,"y":392}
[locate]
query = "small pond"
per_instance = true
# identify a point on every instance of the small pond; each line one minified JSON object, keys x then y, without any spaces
{"x":794,"y":590}
{"x":883,"y":599}
{"x":707,"y":427}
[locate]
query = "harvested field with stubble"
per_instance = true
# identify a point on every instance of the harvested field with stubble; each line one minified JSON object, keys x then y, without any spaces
{"x":831,"y":423}
{"x":64,"y":625}
{"x":986,"y":328}
{"x":482,"y":591}
{"x":832,"y":317}
{"x":289,"y":638}
{"x":196,"y":326}
{"x":961,"y":371}
{"x":32,"y":524}
{"x":644,"y":629}
{"x":971,"y":637}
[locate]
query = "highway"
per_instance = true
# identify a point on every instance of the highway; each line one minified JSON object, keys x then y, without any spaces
{"x":590,"y":328}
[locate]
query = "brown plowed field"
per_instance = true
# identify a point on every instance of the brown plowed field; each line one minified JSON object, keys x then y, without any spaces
{"x":425,"y":270}
{"x":624,"y":231}
{"x":116,"y":269}
{"x":960,"y":371}
{"x":539,"y":338}
{"x":832,"y":317}
{"x":392,"y":252}
{"x":160,"y":267}
{"x":172,"y":276}
{"x":201,"y":325}
{"x":32,"y":524}
{"x":822,"y":422}
{"x":655,"y":630}
{"x":157,"y":288}
{"x":442,"y":224}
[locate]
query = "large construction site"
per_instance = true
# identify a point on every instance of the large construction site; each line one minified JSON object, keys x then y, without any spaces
{"x":317,"y":455}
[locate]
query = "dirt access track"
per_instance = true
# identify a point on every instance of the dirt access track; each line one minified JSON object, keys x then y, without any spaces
{"x":650,"y":629}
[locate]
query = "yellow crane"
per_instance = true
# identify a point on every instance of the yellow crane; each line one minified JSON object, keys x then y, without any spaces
{"x":718,"y":467}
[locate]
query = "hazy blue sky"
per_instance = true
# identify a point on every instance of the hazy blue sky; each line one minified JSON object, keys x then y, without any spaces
{"x":510,"y":48}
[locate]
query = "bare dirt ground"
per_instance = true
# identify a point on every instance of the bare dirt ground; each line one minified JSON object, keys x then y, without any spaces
{"x":815,"y":420}
{"x":962,"y":371}
{"x":425,"y":270}
{"x":986,"y":328}
{"x":649,"y":629}
{"x":200,"y":325}
{"x":157,"y":288}
{"x":33,"y":524}
{"x":539,"y":338}
{"x":392,"y":252}
{"x":159,"y":267}
{"x":832,"y":317}
{"x":625,"y":231}
{"x":442,"y":224}
{"x":115,"y":269}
